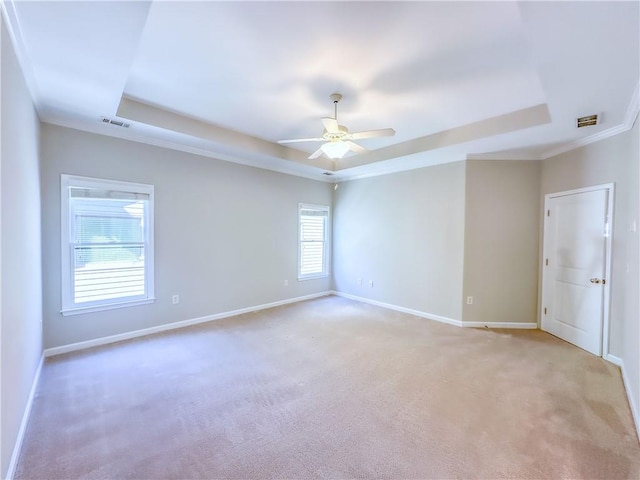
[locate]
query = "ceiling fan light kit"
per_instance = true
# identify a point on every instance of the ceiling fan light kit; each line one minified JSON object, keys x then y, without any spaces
{"x":335,"y":149}
{"x":337,"y":137}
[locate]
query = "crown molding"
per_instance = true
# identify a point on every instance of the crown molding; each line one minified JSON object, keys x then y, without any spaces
{"x":567,"y":147}
{"x":633,"y":109}
{"x":12,"y":23}
{"x":503,"y":156}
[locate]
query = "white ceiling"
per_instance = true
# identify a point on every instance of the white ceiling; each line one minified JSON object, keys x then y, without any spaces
{"x":456,"y":80}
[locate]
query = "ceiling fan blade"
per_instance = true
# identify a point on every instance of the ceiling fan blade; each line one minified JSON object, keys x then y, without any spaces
{"x":295,"y":140}
{"x":316,"y":154}
{"x":330,"y":125}
{"x":354,"y":147}
{"x":384,"y":132}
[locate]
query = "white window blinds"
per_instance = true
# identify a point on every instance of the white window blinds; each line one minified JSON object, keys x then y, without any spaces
{"x":109,"y":243}
{"x":313,"y":255}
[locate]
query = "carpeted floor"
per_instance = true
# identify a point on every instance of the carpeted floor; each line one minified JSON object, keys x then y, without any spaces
{"x":331,"y":388}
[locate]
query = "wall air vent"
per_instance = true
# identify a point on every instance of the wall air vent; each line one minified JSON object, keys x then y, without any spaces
{"x":587,"y":121}
{"x":117,"y":123}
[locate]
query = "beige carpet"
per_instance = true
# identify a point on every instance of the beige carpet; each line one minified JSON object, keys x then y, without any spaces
{"x":331,"y":388}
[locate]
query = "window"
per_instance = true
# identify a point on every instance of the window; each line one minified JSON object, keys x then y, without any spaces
{"x":107,"y":244}
{"x":313,"y":257}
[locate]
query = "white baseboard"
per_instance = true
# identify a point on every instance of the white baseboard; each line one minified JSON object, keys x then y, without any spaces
{"x":439,"y":318}
{"x":13,"y":463}
{"x":633,"y":405}
{"x":613,"y":359}
{"x":520,"y":325}
{"x":72,"y":347}
{"x":632,"y":401}
{"x":417,"y":313}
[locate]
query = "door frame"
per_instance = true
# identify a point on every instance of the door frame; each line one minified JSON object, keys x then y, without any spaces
{"x":606,"y":301}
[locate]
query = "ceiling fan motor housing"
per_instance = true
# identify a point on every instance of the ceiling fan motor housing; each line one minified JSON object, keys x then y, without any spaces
{"x":341,"y":134}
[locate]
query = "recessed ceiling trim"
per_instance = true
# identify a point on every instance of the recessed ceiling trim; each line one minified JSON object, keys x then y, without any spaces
{"x":134,"y":136}
{"x":150,"y":115}
{"x":344,"y":175}
{"x":503,"y":156}
{"x":509,"y":122}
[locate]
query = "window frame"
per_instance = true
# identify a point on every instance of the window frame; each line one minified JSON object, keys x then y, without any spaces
{"x":326,"y":243}
{"x":69,"y":307}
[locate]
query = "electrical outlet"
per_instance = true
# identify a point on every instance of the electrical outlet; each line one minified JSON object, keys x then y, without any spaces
{"x":469,"y":300}
{"x":175,"y":299}
{"x":286,"y":283}
{"x":371,"y":283}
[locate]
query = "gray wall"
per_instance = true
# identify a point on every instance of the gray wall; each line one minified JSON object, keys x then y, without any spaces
{"x":502,"y":217}
{"x":430,"y":237}
{"x":225,"y":234}
{"x":612,"y":160}
{"x":21,"y":311}
{"x":404,"y":231}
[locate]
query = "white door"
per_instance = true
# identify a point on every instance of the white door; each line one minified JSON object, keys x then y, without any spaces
{"x":574,"y":266}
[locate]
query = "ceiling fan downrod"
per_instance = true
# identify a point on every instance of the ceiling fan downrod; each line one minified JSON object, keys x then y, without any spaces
{"x":335,"y":97}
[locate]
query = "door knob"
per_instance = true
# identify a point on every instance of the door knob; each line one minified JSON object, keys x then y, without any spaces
{"x":596,"y":280}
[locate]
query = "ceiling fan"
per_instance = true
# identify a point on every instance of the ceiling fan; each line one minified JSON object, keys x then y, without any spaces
{"x":337,"y":137}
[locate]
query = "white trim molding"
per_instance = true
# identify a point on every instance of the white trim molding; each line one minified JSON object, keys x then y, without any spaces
{"x":524,"y":156}
{"x":74,"y":207}
{"x":417,"y":313}
{"x":309,"y":211}
{"x":633,"y":109}
{"x":517,"y":325}
{"x":13,"y":463}
{"x":627,"y":387}
{"x":15,"y":34}
{"x":629,"y":120}
{"x":613,"y":359}
{"x":437,"y":318}
{"x":72,"y":347}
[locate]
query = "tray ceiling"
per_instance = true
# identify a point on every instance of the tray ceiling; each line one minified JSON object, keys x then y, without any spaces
{"x":456,"y":80}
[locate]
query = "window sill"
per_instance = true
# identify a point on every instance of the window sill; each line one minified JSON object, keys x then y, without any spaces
{"x":110,"y":306}
{"x":313,"y":277}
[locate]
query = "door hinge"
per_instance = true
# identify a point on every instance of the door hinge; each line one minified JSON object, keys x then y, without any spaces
{"x":545,"y":310}
{"x":546,"y":262}
{"x":548,"y":213}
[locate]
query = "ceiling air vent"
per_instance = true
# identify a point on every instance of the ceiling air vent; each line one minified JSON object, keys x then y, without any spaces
{"x":327,"y":173}
{"x":587,"y":121}
{"x":117,"y":123}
